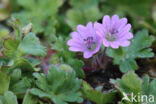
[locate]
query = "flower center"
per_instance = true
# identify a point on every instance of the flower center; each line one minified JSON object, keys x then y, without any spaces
{"x":90,"y":43}
{"x":111,"y":36}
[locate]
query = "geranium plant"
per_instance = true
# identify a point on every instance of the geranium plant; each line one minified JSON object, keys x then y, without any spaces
{"x":77,"y":52}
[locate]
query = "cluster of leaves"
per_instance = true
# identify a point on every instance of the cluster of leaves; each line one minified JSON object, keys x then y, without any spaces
{"x":40,"y":13}
{"x":139,"y":48}
{"x":59,"y":85}
{"x":64,"y":89}
{"x":131,"y":83}
{"x":134,"y":7}
{"x":21,"y":76}
{"x":82,"y":12}
{"x":97,"y":95}
{"x":21,"y":43}
{"x":65,"y":56}
{"x":14,"y":84}
{"x":23,"y":79}
{"x":140,"y":12}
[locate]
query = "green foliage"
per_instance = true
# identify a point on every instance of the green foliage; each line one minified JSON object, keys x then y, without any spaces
{"x":11,"y":46}
{"x":25,"y":43}
{"x":83,"y":4}
{"x":8,"y":98}
{"x":16,"y":75}
{"x":149,"y":87}
{"x":60,"y":91}
{"x":4,"y":82}
{"x":66,"y":68}
{"x":131,"y":83}
{"x":4,"y":10}
{"x":82,"y":12}
{"x":126,"y":84}
{"x":20,"y":83}
{"x":52,"y":21}
{"x":67,"y":56}
{"x":77,"y":66}
{"x":31,"y":45}
{"x":29,"y":99}
{"x":40,"y":13}
{"x":96,"y":96}
{"x":3,"y":33}
{"x":139,"y":48}
{"x":132,"y":7}
{"x":154,"y":14}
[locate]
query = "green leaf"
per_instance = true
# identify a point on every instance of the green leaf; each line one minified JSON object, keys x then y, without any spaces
{"x":3,"y":33}
{"x":131,"y":83}
{"x":16,"y":75}
{"x":29,"y":99}
{"x":31,"y":45}
{"x":4,"y":82}
{"x":128,"y":84}
{"x":97,"y":96}
{"x":82,"y":12}
{"x":66,"y":56}
{"x":76,"y":16}
{"x":83,"y":4}
{"x":154,"y":14}
{"x":20,"y":82}
{"x":128,"y":65}
{"x":66,"y":68}
{"x":60,"y":91}
{"x":77,"y":66}
{"x":152,"y":90}
{"x":10,"y":98}
{"x":139,"y":48}
{"x":145,"y":84}
{"x":32,"y":13}
{"x":133,"y":7}
{"x":1,"y":102}
{"x":129,"y":80}
{"x":23,"y":63}
{"x":16,"y":48}
{"x":10,"y":47}
{"x":17,"y":26}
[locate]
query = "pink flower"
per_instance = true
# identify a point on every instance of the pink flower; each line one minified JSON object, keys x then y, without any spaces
{"x":85,"y":40}
{"x":114,"y":31}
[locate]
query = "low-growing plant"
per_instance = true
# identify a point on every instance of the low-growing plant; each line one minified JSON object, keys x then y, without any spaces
{"x":135,"y":90}
{"x":64,"y":52}
{"x":59,"y":85}
{"x":115,"y":35}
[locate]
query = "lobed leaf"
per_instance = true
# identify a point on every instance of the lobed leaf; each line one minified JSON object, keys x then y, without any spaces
{"x":60,"y":91}
{"x":97,"y":96}
{"x":31,"y":45}
{"x":131,"y":83}
{"x":139,"y":48}
{"x":4,"y":82}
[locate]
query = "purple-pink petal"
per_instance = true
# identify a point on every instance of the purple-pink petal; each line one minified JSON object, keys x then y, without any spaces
{"x":106,"y":22}
{"x":124,"y":43}
{"x":87,"y":55}
{"x":85,"y":40}
{"x":114,"y":32}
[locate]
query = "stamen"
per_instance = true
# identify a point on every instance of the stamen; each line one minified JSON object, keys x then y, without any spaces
{"x":90,"y":43}
{"x":110,"y":36}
